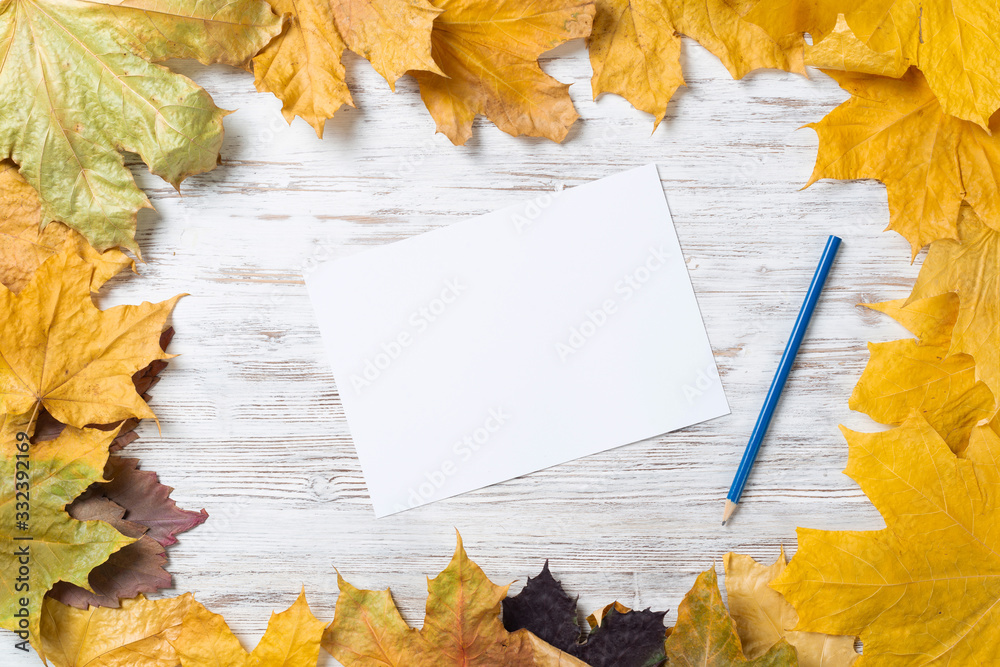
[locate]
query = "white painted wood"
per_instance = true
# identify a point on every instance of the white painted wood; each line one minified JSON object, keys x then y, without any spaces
{"x":253,"y":428}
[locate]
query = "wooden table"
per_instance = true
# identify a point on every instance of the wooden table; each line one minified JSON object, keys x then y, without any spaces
{"x":252,"y":425}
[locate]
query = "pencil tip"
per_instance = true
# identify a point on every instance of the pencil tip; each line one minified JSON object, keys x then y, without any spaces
{"x":728,"y":513}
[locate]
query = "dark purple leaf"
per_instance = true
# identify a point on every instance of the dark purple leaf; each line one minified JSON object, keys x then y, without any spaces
{"x":629,"y":639}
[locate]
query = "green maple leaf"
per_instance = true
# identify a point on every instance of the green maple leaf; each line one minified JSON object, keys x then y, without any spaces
{"x":60,"y":548}
{"x":78,"y":87}
{"x":705,"y":634}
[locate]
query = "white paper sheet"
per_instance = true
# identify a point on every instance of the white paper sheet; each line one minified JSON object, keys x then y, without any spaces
{"x":515,"y":341}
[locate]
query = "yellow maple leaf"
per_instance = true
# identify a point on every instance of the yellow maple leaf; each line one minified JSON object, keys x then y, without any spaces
{"x":895,"y":131}
{"x":60,"y":352}
{"x":923,"y":590}
{"x":171,"y":632}
{"x":303,"y":67}
{"x":24,"y":245}
{"x":461,"y":626}
{"x":841,"y":50}
{"x":291,"y":640}
{"x":635,"y":47}
{"x":786,"y":17}
{"x":907,"y":375}
{"x":488,"y":51}
{"x":971,"y":269}
{"x":393,"y":35}
{"x":930,"y":319}
{"x":954,"y":43}
{"x":139,"y":629}
{"x":763,"y":617}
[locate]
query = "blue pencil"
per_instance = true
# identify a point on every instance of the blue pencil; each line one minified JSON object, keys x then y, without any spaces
{"x":778,"y":383}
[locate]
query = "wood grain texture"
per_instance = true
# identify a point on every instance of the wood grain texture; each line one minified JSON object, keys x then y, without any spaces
{"x":254,"y":431}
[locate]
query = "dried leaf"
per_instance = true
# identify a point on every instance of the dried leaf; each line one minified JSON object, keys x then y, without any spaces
{"x":921,"y":590}
{"x":47,"y":428}
{"x":544,"y":609}
{"x":635,"y":47}
{"x":69,"y":357}
{"x":133,"y":569}
{"x":61,"y":548}
{"x":970,"y":268}
{"x":595,"y":619}
{"x":139,"y":633}
{"x":953,"y":43}
{"x":894,"y":130}
{"x":146,"y":501}
{"x":907,"y":375}
{"x":841,"y":50}
{"x":79,"y":88}
{"x":461,"y":626}
{"x":303,"y":67}
{"x":931,"y":319}
{"x":24,"y":245}
{"x":763,"y":617}
{"x":705,"y":635}
{"x":137,"y":505}
{"x":393,"y":35}
{"x":619,"y":637}
{"x":488,"y":51}
{"x":635,"y":52}
{"x":291,"y":640}
{"x":368,"y":631}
